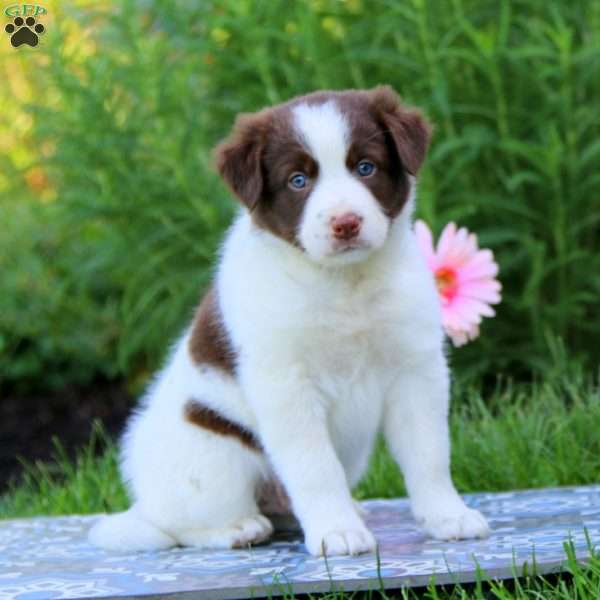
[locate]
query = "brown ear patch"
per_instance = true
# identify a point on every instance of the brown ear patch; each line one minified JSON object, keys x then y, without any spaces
{"x":239,"y":157}
{"x":200,"y":415}
{"x":408,"y":128}
{"x":209,"y":341}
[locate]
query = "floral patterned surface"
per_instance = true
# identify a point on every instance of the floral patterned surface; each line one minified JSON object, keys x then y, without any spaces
{"x":51,"y":558}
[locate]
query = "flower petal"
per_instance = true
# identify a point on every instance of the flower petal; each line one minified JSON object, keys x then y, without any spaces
{"x":445,"y":241}
{"x":452,"y":319}
{"x":479,"y":266}
{"x":462,"y":336}
{"x":459,"y":338}
{"x":425,"y":241}
{"x":475,"y":309}
{"x":481,"y":289}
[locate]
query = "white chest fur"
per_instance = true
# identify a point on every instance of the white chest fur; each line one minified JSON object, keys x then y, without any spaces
{"x":344,"y":330}
{"x":278,"y":305}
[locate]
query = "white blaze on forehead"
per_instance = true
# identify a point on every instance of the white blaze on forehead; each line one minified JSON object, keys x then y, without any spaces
{"x":324,"y":130}
{"x":326,"y":134}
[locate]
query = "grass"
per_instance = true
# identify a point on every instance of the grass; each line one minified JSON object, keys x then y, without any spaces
{"x":522,"y":436}
{"x":576,"y":582}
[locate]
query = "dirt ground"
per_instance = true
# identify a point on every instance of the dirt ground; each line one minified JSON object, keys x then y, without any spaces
{"x":29,"y":422}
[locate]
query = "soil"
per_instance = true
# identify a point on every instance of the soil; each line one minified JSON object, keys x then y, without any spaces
{"x":29,"y":422}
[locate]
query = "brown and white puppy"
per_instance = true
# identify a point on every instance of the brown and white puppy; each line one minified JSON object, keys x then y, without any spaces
{"x":322,"y":327}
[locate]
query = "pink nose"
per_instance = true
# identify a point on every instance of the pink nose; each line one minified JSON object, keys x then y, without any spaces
{"x":346,"y":227}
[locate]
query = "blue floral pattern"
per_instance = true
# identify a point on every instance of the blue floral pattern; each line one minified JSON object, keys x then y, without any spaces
{"x":51,"y":558}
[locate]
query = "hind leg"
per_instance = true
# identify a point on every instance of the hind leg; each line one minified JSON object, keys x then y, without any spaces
{"x":205,"y":499}
{"x":128,"y":531}
{"x":195,"y":485}
{"x":217,"y":505}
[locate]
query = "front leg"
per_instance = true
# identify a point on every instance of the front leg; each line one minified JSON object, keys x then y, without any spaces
{"x":416,"y":431}
{"x":292,"y":423}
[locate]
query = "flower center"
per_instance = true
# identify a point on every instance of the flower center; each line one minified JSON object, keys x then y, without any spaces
{"x":447,"y":284}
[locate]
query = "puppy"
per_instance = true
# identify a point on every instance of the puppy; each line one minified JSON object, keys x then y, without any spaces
{"x":322,"y":327}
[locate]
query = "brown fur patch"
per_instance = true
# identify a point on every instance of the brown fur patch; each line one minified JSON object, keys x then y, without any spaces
{"x":280,"y":209}
{"x":408,"y":128}
{"x":207,"y":418}
{"x":209,"y":342}
{"x":256,"y":160}
{"x":239,"y":157}
{"x":369,"y":140}
{"x":273,"y":499}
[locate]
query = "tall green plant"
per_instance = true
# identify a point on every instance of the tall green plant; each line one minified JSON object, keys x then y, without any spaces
{"x":511,"y":86}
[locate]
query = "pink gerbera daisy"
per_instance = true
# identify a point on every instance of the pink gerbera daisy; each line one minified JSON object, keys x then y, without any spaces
{"x":465,"y":278}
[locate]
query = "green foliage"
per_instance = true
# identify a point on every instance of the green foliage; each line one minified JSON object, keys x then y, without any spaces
{"x":511,"y":86}
{"x":90,"y":483}
{"x":53,"y":326}
{"x":577,"y":581}
{"x":522,"y":436}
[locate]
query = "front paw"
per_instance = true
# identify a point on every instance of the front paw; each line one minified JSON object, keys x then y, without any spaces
{"x":340,"y":539}
{"x":460,"y":523}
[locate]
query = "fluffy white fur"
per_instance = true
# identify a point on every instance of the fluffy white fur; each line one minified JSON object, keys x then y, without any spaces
{"x":329,"y":353}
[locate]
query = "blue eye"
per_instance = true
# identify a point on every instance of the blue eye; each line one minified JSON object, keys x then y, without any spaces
{"x":365,"y":168}
{"x":297,"y":181}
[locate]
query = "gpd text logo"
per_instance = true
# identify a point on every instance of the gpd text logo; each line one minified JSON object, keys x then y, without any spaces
{"x":24,"y":10}
{"x":24,"y":28}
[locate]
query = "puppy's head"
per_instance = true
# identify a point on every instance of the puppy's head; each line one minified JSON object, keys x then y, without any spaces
{"x":327,"y":172}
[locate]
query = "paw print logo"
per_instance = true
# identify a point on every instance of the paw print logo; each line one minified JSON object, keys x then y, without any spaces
{"x":24,"y":31}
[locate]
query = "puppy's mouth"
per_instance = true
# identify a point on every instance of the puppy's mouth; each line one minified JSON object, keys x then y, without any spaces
{"x":350,"y":246}
{"x":349,"y":252}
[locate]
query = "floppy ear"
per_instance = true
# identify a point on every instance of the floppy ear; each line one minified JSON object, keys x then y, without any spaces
{"x":407,"y":127}
{"x":238,"y":158}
